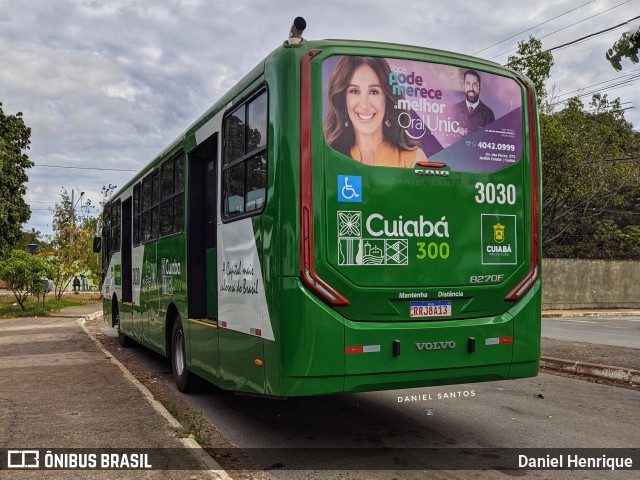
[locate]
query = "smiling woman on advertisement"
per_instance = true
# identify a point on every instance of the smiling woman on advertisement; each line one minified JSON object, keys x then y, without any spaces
{"x":359,"y":122}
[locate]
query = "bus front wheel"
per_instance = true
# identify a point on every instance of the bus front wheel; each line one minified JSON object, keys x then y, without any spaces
{"x":183,"y":379}
{"x":123,"y":339}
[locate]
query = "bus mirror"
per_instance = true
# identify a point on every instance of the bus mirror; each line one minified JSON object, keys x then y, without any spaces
{"x":97,"y":244}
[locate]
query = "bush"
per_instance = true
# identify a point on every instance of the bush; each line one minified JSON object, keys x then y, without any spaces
{"x":24,"y":273}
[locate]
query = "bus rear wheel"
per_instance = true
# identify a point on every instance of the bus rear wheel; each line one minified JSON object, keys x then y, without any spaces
{"x":181,"y":376}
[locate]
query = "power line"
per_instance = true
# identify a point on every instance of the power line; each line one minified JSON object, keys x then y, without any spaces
{"x":598,"y":90}
{"x":622,"y":212}
{"x":625,"y":81}
{"x":593,"y":34}
{"x":86,"y":168}
{"x":568,"y":26}
{"x":600,"y":83}
{"x":609,"y":87}
{"x":535,"y":26}
{"x":621,"y":159}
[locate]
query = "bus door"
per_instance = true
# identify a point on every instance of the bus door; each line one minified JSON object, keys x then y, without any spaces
{"x":202,"y":296}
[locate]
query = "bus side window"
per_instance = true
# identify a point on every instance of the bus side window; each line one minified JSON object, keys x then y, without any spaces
{"x":137,"y":214}
{"x":114,"y":244}
{"x":150,"y":207}
{"x":244,"y":171}
{"x":172,"y":206}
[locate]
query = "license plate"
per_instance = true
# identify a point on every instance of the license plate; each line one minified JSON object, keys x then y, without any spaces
{"x":430,"y":309}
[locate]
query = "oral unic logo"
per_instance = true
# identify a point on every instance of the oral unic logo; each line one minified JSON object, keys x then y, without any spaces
{"x":498,"y":233}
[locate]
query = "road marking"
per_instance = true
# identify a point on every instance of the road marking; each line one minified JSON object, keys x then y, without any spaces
{"x":579,"y":321}
{"x":33,"y":338}
{"x":19,"y":328}
{"x":48,"y":360}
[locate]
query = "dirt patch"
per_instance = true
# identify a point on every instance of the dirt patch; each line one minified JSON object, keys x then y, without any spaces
{"x":592,"y":353}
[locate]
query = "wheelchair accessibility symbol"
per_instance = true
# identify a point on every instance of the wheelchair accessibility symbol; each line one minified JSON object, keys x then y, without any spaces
{"x":350,"y":188}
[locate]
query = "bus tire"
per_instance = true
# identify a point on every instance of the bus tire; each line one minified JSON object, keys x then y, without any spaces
{"x":183,"y":379}
{"x":123,"y":339}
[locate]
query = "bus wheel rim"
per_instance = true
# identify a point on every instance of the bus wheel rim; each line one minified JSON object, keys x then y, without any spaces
{"x":179,"y":346}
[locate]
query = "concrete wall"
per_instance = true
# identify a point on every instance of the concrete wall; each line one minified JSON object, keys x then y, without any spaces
{"x":568,"y":284}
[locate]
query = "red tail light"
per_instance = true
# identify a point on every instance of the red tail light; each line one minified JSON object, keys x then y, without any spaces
{"x":307,"y":271}
{"x":524,"y":286}
{"x":431,"y":164}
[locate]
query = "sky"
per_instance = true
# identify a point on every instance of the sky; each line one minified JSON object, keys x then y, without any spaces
{"x":105,"y":85}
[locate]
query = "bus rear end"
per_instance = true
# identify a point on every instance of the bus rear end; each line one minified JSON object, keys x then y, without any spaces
{"x":420,"y":256}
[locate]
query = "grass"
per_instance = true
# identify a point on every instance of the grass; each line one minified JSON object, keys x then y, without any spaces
{"x":9,"y":307}
{"x":194,"y":422}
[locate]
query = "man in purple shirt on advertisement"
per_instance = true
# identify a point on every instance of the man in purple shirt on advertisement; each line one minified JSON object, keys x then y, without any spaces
{"x":471,"y":113}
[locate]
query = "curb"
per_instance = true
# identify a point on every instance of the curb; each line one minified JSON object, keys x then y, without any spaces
{"x":607,"y":372}
{"x":215,"y":470}
{"x":587,"y":313}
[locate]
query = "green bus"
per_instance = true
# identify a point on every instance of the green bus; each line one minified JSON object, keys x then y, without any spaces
{"x":351,"y":216}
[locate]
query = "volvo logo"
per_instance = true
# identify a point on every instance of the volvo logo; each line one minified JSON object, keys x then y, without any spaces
{"x":436,"y":345}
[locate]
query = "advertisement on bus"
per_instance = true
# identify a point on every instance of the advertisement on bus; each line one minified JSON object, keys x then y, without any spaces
{"x":394,"y":113}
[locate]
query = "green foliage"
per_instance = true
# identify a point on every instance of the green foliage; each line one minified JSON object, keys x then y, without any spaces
{"x":9,"y":308}
{"x":531,"y":61}
{"x":591,"y":185}
{"x":33,"y":237}
{"x":73,"y":233}
{"x":23,"y":274}
{"x":72,"y":240}
{"x":626,"y":47}
{"x":590,"y":173}
{"x":194,"y":422}
{"x":14,"y":138}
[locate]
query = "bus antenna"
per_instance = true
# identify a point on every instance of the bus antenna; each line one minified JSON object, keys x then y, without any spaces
{"x":295,"y":34}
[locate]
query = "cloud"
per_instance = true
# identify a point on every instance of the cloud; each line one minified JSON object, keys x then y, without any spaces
{"x":111,"y":83}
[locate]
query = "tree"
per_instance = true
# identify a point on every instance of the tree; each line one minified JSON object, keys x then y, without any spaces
{"x":626,"y":47}
{"x":23,"y":273}
{"x":14,"y":138}
{"x":590,"y":183}
{"x":534,"y":63}
{"x":33,"y":237}
{"x":72,"y":241}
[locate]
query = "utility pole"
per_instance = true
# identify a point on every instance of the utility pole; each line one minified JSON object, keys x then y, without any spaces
{"x":73,"y":207}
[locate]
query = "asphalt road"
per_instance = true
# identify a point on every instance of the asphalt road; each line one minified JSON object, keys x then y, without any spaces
{"x":543,"y":412}
{"x":616,"y":331}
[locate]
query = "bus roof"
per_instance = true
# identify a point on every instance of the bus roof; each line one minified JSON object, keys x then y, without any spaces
{"x":382,"y":48}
